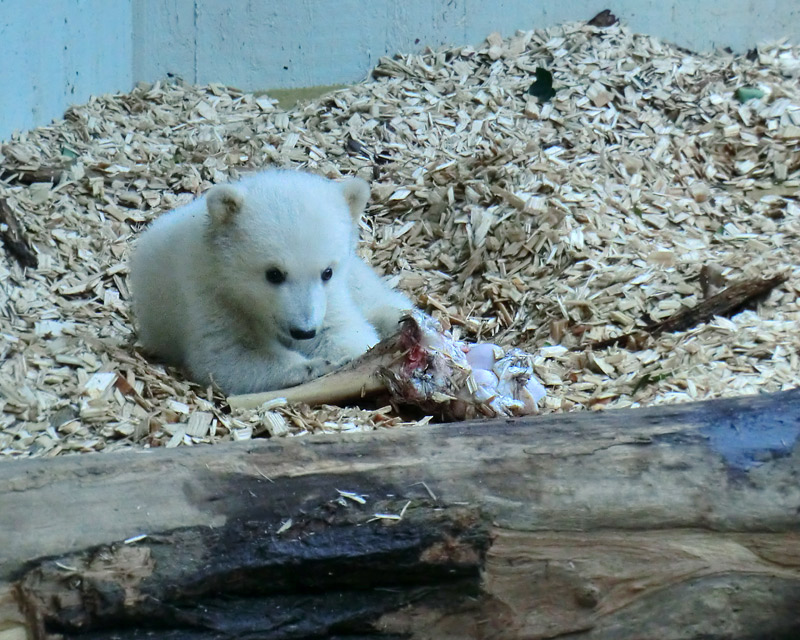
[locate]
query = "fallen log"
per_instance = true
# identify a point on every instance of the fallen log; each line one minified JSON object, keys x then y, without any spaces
{"x":668,"y":522}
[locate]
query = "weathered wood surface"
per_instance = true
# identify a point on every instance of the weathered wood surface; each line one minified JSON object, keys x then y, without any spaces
{"x":667,"y":522}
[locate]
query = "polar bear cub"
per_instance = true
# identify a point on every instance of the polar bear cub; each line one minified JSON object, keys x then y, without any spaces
{"x":256,"y":285}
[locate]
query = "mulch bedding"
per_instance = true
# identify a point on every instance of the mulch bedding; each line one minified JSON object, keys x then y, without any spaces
{"x":544,"y":217}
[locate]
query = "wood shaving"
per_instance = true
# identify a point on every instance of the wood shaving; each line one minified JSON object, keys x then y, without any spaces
{"x":545,"y":226}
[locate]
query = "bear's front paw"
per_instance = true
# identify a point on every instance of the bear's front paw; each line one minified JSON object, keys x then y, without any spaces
{"x":386,"y":320}
{"x":317,"y":367}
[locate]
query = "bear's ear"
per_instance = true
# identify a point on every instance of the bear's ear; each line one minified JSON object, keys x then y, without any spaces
{"x":356,"y":194}
{"x":224,"y":202}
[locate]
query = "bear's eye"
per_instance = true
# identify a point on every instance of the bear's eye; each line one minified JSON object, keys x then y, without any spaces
{"x":327,"y":274}
{"x":275,"y":276}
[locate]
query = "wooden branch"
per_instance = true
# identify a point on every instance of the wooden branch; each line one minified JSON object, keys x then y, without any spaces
{"x":57,"y":173}
{"x":671,"y":522}
{"x":14,"y":238}
{"x":31,"y":176}
{"x":727,"y":302}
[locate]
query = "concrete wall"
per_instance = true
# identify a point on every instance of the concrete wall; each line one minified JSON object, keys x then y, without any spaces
{"x":299,"y":43}
{"x":57,"y":52}
{"x":54,"y":53}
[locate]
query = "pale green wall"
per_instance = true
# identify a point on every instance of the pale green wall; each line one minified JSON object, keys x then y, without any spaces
{"x":298,"y":43}
{"x":57,"y":52}
{"x":54,"y":53}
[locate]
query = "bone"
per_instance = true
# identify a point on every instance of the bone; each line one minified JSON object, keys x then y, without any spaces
{"x":424,"y":366}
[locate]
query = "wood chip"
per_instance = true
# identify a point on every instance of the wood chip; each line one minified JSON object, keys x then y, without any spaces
{"x":544,"y":226}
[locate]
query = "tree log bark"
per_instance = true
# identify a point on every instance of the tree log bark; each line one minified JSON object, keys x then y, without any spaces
{"x":669,"y":522}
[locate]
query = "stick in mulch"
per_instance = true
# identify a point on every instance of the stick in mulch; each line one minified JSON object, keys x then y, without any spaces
{"x":14,"y":238}
{"x":58,"y":173}
{"x":725,"y":303}
{"x":14,"y":175}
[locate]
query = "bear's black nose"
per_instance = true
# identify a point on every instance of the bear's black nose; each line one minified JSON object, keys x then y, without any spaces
{"x":299,"y":334}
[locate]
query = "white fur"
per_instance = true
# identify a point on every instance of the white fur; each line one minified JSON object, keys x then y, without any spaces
{"x":201,"y":296}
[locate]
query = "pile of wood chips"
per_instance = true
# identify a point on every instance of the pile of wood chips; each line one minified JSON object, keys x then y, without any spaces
{"x":544,"y":225}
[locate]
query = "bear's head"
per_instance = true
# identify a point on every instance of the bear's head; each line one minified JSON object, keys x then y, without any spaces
{"x":280,"y":246}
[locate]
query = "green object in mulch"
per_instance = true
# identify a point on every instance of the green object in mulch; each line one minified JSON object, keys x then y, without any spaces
{"x":743,"y":94}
